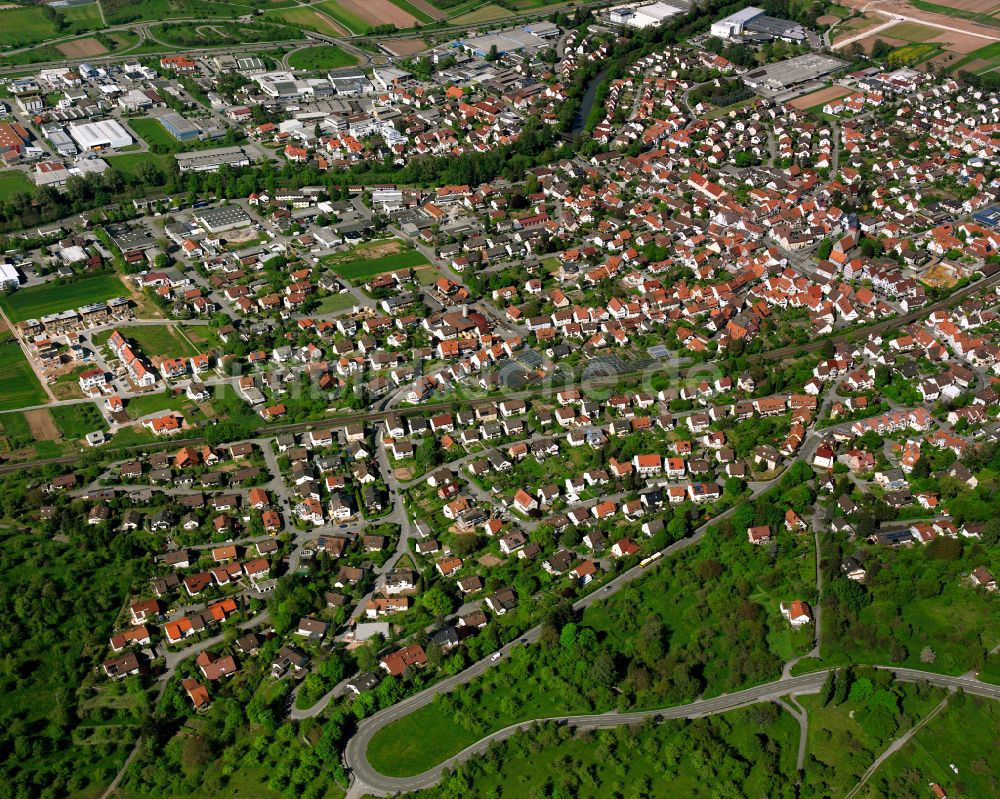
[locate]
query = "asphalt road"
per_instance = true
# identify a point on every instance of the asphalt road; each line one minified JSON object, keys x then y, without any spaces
{"x":374,"y":782}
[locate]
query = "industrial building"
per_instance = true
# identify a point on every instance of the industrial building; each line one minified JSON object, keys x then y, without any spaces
{"x":179,"y":127}
{"x":754,"y":25}
{"x":528,"y":37}
{"x":58,"y":138}
{"x":13,"y":138}
{"x":104,"y":135}
{"x":212,"y":160}
{"x":218,"y":220}
{"x":783,"y":75}
{"x":644,"y":16}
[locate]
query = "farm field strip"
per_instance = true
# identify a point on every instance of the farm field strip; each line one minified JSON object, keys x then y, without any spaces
{"x":19,"y":386}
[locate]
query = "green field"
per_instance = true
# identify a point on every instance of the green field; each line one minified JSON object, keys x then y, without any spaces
{"x":303,"y":17}
{"x":937,"y":8}
{"x":333,"y":9}
{"x":20,"y":27}
{"x":990,"y":54}
{"x":122,"y":11}
{"x":487,"y":13}
{"x":19,"y":386}
{"x":13,"y":181}
{"x":422,"y":16}
{"x":327,"y":56}
{"x":912,"y":32}
{"x":36,"y":301}
{"x":360,"y":269}
{"x":913,"y":53}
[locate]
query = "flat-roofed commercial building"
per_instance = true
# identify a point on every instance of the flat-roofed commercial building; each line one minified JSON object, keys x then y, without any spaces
{"x":217,"y":220}
{"x":103,"y":135}
{"x":179,"y":127}
{"x":9,"y":278}
{"x":212,"y":160}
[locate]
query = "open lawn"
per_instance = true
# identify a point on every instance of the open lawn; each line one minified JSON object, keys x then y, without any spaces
{"x":75,"y":421}
{"x":13,"y":181}
{"x":359,"y":270}
{"x":49,"y":298}
{"x":325,"y":56}
{"x":335,"y":303}
{"x":130,"y":162}
{"x":419,"y":740}
{"x":18,"y":384}
{"x":146,"y":404}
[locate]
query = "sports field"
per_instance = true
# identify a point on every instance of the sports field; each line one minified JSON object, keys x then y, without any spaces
{"x":19,"y":385}
{"x":36,"y":301}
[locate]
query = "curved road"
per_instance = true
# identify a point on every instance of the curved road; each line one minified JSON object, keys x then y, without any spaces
{"x":369,"y":779}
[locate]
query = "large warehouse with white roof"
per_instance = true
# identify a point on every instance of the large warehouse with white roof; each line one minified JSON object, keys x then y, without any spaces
{"x":104,"y":135}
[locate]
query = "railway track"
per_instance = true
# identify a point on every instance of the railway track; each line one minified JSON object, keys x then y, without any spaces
{"x":597,"y":381}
